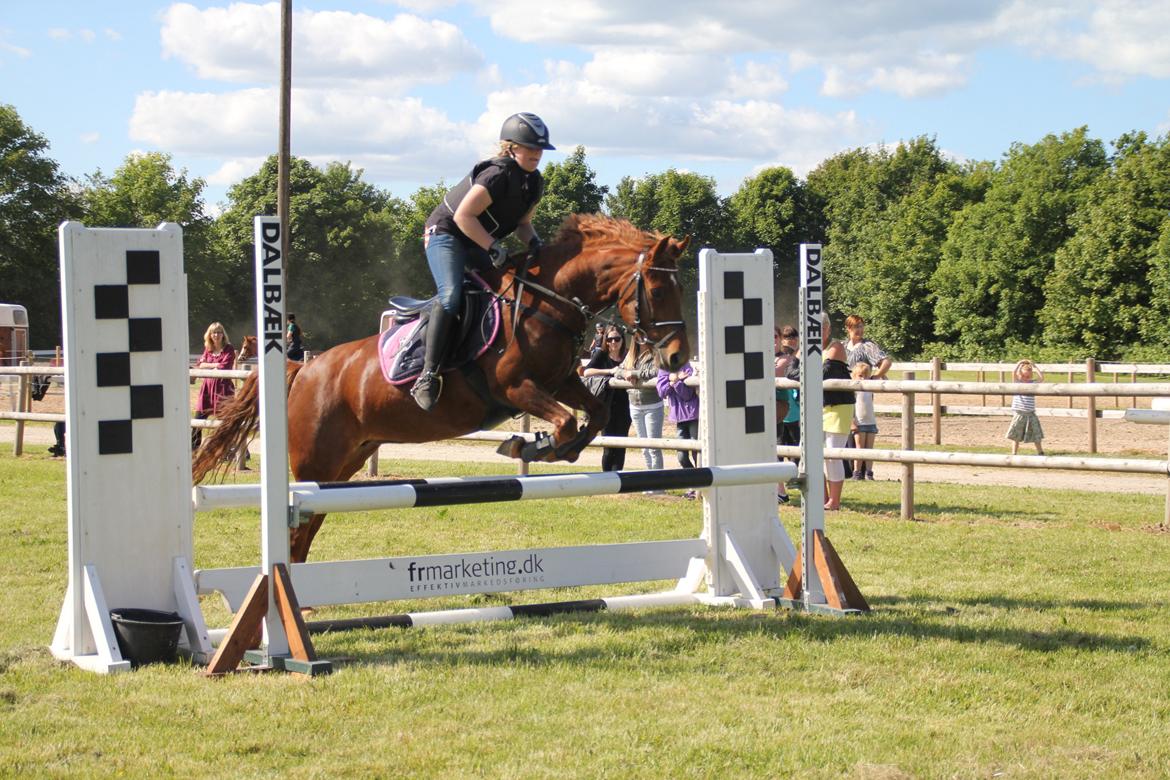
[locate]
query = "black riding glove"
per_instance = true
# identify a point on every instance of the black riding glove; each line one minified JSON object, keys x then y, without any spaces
{"x":498,"y":254}
{"x":534,"y":244}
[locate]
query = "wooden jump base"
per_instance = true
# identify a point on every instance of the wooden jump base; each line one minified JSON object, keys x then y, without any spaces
{"x":125,"y":312}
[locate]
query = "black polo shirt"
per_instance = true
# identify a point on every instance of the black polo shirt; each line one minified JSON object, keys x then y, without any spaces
{"x":513,"y":190}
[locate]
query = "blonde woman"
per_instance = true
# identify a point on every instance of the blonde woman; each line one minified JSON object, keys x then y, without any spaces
{"x":218,"y":354}
{"x":646,"y":408}
{"x":467,"y":229}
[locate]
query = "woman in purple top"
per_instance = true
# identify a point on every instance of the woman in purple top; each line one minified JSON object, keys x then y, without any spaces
{"x":219,"y":354}
{"x":684,"y":406}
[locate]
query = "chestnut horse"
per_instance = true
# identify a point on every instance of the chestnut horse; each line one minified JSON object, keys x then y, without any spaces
{"x":340,"y":408}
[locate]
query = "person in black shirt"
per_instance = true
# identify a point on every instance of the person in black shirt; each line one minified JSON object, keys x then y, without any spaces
{"x":467,"y":229}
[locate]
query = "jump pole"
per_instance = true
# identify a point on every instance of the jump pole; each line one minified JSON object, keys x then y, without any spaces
{"x":819,"y":582}
{"x":271,"y":604}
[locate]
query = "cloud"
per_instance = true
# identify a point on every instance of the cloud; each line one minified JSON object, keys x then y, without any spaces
{"x":12,"y":48}
{"x":90,"y":138}
{"x":392,"y":138}
{"x":579,"y":111}
{"x":238,"y":44}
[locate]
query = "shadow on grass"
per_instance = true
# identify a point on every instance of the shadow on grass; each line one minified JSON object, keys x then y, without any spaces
{"x":1009,"y":603}
{"x":927,"y":511}
{"x":678,"y":633}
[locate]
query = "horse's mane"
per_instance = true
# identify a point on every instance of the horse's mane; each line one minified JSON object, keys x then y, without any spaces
{"x":599,"y":231}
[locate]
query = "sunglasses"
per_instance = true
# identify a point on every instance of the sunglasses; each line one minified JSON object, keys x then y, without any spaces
{"x":614,"y":338}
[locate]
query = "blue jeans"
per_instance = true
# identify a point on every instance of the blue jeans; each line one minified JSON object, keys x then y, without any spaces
{"x":648,"y":422}
{"x":448,"y":257}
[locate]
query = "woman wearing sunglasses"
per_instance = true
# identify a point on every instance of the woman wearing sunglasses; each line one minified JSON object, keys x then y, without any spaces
{"x":607,"y":361}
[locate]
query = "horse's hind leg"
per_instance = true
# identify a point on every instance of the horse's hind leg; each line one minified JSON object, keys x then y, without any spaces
{"x":301,"y":538}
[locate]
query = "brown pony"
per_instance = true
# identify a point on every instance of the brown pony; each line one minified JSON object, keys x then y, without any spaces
{"x":246,"y":352}
{"x":340,"y":408}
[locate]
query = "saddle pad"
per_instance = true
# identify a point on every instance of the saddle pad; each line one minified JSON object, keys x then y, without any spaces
{"x":402,"y":347}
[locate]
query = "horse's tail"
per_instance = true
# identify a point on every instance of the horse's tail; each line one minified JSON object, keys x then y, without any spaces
{"x":239,"y":421}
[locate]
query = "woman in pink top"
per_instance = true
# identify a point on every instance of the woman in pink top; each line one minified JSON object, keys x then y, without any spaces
{"x":218,"y":353}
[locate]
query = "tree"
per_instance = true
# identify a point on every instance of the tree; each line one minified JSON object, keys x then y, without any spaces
{"x":146,"y":191}
{"x":1101,"y":292}
{"x":897,"y":302}
{"x":410,"y":274}
{"x":990,"y":282}
{"x":341,"y":239}
{"x":34,"y":199}
{"x":771,"y":210}
{"x":570,"y":187}
{"x":853,"y":193}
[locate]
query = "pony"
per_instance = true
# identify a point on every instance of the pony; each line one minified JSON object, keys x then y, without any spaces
{"x":340,"y":408}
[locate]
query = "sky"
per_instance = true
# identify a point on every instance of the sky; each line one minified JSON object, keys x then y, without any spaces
{"x":415,"y":91}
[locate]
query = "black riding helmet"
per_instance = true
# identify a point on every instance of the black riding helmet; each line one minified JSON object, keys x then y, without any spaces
{"x":527,"y":130}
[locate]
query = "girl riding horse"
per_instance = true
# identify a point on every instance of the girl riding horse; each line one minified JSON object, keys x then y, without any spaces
{"x":340,"y":408}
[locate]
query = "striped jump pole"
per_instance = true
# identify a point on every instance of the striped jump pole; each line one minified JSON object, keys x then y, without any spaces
{"x":309,"y":498}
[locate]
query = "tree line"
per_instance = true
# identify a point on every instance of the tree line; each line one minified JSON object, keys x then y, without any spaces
{"x":1059,"y":250}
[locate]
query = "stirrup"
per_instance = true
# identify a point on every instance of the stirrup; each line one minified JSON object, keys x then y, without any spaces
{"x":427,"y":389}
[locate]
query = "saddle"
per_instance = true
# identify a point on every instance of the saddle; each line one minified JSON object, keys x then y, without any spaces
{"x":402,"y":346}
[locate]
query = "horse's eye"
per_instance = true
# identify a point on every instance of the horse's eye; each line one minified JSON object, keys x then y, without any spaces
{"x":657,"y":293}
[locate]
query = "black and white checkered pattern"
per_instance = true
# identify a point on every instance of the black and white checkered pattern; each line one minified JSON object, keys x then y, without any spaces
{"x":750,"y":313}
{"x":143,"y":334}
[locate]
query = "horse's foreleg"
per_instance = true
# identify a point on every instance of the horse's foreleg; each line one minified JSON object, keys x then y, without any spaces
{"x":574,"y":393}
{"x":528,"y":397}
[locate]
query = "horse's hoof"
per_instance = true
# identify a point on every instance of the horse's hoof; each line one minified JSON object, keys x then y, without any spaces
{"x":511,"y":448}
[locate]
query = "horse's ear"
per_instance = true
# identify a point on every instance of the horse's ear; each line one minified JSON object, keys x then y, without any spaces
{"x":659,"y":248}
{"x":681,"y":246}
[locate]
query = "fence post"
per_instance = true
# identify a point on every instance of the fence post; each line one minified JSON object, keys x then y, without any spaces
{"x":1132,"y":381}
{"x":1072,"y":398}
{"x":525,"y":427}
{"x":907,"y":504}
{"x":979,"y":377}
{"x":936,"y":399}
{"x":1091,"y":377}
{"x":23,"y":404}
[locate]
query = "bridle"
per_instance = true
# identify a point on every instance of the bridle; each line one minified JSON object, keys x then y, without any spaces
{"x":637,"y":280}
{"x":520,"y":280}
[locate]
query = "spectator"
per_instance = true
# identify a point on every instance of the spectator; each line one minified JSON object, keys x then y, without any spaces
{"x":218,"y":354}
{"x":858,"y":348}
{"x":837,"y":416}
{"x":683,"y":401}
{"x":646,"y":408}
{"x":40,"y":387}
{"x":784,"y":403}
{"x":864,"y":421}
{"x":606,"y":363}
{"x":294,"y":339}
{"x":1025,"y":425}
{"x":598,"y":339}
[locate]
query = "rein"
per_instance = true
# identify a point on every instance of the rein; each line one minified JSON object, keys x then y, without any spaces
{"x":520,"y":280}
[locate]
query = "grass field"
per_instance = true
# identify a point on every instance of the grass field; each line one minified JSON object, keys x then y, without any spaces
{"x":1015,"y":633}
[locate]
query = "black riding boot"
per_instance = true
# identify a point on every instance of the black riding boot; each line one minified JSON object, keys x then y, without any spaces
{"x":429,"y":385}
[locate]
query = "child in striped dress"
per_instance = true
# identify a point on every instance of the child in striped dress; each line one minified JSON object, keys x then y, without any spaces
{"x":1025,"y":425}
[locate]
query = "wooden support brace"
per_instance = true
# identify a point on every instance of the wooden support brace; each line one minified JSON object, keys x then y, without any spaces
{"x":841,"y":592}
{"x":247,"y":629}
{"x":299,"y":643}
{"x":242,"y":634}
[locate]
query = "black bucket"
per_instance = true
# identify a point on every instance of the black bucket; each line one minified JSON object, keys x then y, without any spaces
{"x":147,"y":636}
